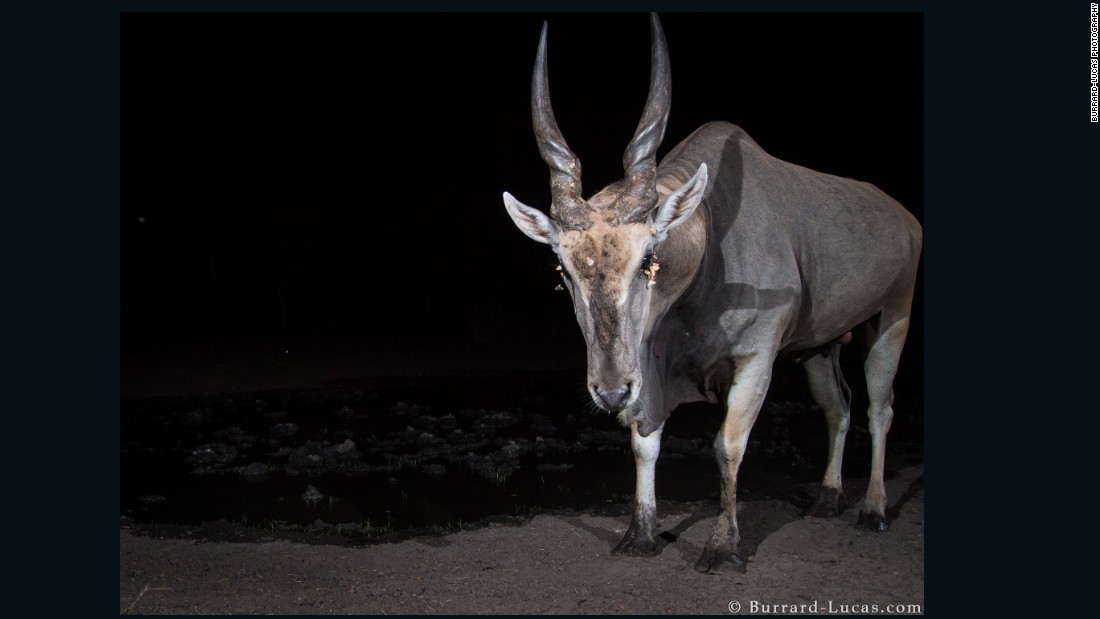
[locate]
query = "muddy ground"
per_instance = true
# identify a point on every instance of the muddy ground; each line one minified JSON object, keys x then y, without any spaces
{"x":456,"y":495}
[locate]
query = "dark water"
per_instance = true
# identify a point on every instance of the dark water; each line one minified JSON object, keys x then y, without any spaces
{"x":380,"y":458}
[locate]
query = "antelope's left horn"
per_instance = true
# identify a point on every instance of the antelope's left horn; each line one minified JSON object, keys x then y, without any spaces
{"x":640,"y":158}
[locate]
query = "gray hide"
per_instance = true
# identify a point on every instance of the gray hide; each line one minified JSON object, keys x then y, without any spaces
{"x":794,"y":259}
{"x":770,"y":258}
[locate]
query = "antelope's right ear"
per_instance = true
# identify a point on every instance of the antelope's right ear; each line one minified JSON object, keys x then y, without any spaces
{"x":532,"y":222}
{"x":681,"y":204}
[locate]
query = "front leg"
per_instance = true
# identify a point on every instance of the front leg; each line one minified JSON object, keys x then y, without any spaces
{"x":639,"y":539}
{"x":750,"y":383}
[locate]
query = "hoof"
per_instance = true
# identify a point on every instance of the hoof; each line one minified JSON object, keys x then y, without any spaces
{"x":824,"y":510}
{"x":634,"y":546}
{"x":873,"y":521}
{"x":828,"y":504}
{"x":714,"y":559}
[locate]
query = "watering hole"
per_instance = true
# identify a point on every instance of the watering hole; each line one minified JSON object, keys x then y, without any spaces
{"x":382,"y":459}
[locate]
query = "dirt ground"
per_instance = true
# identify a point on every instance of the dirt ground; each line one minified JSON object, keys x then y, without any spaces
{"x":554,"y":562}
{"x":550,"y":564}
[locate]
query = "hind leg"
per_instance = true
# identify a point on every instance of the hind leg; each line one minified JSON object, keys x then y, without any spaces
{"x":831,"y":393}
{"x":886,"y":337}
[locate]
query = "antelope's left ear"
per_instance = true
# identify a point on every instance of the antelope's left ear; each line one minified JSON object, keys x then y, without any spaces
{"x":531,"y":221}
{"x":681,"y":204}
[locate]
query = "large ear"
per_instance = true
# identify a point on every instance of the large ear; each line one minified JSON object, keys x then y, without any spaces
{"x":532,"y":222}
{"x":681,"y":204}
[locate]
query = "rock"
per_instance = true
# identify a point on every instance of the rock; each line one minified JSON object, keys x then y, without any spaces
{"x":212,"y":455}
{"x":341,"y":456}
{"x":257,"y":471}
{"x":310,"y":455}
{"x":284,"y":429}
{"x":511,"y":450}
{"x":484,"y":467}
{"x":232,"y":434}
{"x":312,"y":495}
{"x":428,"y":439}
{"x":391,"y":445}
{"x":196,"y":417}
{"x":490,"y":421}
{"x":345,"y":413}
{"x":434,"y":470}
{"x":281,"y":452}
{"x":409,"y":435}
{"x":540,"y":424}
{"x":544,"y":445}
{"x":502,"y":419}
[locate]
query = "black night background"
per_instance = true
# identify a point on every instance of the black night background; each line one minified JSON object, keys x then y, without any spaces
{"x":309,"y":196}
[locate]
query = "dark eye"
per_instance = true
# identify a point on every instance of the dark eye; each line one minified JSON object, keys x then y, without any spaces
{"x":647,"y":262}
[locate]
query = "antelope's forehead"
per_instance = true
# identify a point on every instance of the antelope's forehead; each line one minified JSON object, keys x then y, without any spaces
{"x":604,"y":248}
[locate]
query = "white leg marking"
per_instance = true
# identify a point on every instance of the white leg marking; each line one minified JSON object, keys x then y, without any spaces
{"x":646,"y":449}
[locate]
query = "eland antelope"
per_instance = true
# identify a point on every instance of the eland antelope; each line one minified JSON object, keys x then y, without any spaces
{"x":756,"y":257}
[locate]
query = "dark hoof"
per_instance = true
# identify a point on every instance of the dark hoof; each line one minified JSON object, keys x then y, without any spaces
{"x":714,"y":559}
{"x":634,"y":546}
{"x":828,"y":504}
{"x":873,"y":521}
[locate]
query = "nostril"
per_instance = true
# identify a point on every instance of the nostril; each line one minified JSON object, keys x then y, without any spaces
{"x":614,"y":398}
